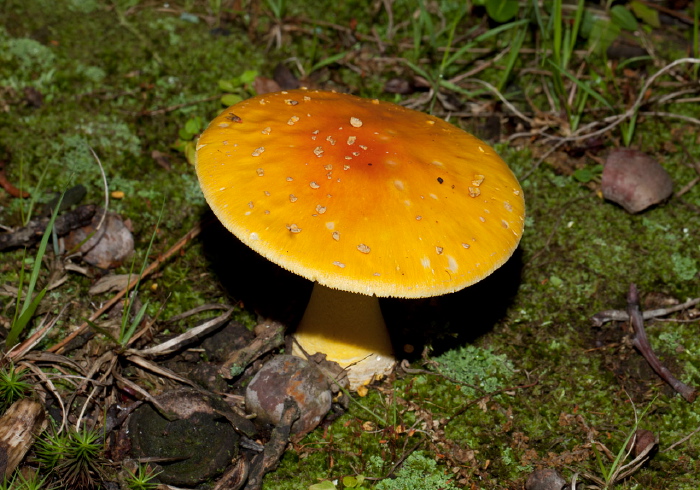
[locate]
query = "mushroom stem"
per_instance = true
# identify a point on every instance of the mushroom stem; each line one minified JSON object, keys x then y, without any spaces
{"x":350,"y":330}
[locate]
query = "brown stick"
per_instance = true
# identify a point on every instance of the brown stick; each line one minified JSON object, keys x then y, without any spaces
{"x":274,"y":449}
{"x":32,"y":233}
{"x":641,"y":343}
{"x":622,"y":316}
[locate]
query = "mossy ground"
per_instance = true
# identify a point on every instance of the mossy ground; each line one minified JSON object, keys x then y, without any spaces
{"x":103,"y":81}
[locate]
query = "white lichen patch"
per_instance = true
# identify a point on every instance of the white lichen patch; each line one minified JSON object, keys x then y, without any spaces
{"x":258,"y":151}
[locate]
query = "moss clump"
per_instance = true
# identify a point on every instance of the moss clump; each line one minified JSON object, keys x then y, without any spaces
{"x":418,"y":472}
{"x":475,"y":366}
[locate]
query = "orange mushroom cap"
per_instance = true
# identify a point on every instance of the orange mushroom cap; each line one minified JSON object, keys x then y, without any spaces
{"x":360,"y":195}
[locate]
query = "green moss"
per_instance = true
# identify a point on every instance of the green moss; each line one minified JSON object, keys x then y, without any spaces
{"x":418,"y":472}
{"x":475,"y":367}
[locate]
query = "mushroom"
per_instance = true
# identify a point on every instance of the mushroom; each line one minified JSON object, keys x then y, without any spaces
{"x":367,"y":199}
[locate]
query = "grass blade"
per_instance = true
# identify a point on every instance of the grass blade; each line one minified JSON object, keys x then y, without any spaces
{"x":23,"y":320}
{"x":583,"y":86}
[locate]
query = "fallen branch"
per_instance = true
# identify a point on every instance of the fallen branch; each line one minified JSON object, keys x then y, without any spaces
{"x":32,"y":233}
{"x":622,"y":316}
{"x":236,"y":363}
{"x":274,"y":449}
{"x":176,"y":343}
{"x":641,"y":343}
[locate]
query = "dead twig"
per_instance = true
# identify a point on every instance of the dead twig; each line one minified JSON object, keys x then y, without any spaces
{"x":274,"y":449}
{"x":622,"y":316}
{"x":190,"y":335}
{"x":641,"y":343}
{"x":32,"y":233}
{"x":272,"y":338}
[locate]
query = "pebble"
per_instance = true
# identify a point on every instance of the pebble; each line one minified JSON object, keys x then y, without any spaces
{"x":634,"y":180}
{"x":289,"y":376}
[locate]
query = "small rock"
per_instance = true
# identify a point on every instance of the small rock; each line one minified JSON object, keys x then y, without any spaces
{"x":108,"y":247}
{"x":634,"y":180}
{"x":289,"y":376}
{"x":545,"y":479}
{"x":641,"y":441}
